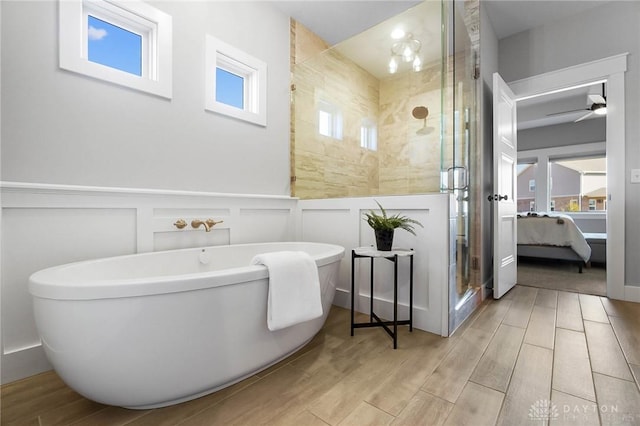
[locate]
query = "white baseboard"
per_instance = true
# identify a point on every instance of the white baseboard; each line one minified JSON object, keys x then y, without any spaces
{"x":23,"y":363}
{"x":632,"y":293}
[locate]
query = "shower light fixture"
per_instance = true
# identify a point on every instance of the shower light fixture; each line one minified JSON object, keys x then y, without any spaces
{"x":405,"y":49}
{"x":397,"y":34}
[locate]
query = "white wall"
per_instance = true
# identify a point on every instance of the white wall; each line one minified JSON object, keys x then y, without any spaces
{"x":574,"y":41}
{"x":64,"y":128}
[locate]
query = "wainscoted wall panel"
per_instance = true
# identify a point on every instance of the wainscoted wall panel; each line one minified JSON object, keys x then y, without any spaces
{"x":340,"y":221}
{"x":47,"y":225}
{"x":263,"y":225}
{"x":335,"y":222}
{"x":34,"y":239}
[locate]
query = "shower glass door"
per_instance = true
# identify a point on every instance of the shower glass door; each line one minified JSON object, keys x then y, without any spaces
{"x":459,"y":140}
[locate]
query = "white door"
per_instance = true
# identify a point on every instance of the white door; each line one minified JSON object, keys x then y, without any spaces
{"x":504,"y":201}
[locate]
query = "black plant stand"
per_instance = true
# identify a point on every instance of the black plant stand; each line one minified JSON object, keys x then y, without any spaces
{"x":374,"y":320}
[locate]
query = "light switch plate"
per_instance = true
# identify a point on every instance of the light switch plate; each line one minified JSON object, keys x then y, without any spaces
{"x":635,"y":175}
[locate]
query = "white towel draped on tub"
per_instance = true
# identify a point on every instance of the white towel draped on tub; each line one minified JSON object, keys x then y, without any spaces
{"x":294,"y":288}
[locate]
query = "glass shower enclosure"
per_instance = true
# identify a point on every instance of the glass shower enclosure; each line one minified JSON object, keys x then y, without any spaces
{"x":393,"y":111}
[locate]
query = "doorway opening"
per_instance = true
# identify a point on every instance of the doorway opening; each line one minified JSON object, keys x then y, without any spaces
{"x":562,"y":175}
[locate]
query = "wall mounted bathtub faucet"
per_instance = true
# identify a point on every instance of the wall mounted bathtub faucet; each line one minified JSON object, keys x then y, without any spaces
{"x":195,"y":223}
{"x":208,"y":224}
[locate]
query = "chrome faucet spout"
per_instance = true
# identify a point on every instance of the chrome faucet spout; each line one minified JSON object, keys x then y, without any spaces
{"x":197,"y":222}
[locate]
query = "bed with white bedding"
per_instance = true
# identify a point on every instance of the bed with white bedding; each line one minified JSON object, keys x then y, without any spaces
{"x":552,"y":236}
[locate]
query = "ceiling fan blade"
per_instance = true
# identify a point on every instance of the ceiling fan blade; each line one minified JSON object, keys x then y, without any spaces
{"x":597,"y":99}
{"x":587,"y":115}
{"x":568,"y":112}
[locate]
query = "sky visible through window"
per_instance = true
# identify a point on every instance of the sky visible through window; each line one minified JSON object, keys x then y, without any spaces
{"x":114,"y":47}
{"x":229,"y":88}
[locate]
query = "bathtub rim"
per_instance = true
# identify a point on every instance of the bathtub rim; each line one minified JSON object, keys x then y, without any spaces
{"x":41,"y":285}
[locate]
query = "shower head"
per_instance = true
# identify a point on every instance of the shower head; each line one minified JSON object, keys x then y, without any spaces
{"x":421,"y":113}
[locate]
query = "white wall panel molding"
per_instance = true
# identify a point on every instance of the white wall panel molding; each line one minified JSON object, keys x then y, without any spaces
{"x":47,"y":225}
{"x":340,"y":221}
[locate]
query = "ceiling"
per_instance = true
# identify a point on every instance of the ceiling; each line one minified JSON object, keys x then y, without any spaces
{"x":509,"y":17}
{"x":547,"y":110}
{"x":360,"y":29}
{"x":335,"y":21}
{"x":371,"y":48}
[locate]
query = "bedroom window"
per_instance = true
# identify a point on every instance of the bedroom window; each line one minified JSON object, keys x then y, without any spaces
{"x":126,"y":43}
{"x":580,"y":184}
{"x":526,"y":179}
{"x":235,"y":83}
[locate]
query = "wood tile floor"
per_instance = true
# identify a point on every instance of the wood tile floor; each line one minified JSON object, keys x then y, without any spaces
{"x":537,"y":356}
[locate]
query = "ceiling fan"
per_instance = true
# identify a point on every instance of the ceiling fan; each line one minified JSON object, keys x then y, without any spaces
{"x":598,"y":107}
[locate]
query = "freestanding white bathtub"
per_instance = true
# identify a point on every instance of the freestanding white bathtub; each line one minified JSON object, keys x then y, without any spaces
{"x":155,"y":329}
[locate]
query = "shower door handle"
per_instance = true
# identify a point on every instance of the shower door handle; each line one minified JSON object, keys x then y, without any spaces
{"x":458,"y":178}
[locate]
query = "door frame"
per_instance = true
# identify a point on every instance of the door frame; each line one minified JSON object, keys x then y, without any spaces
{"x":612,"y":71}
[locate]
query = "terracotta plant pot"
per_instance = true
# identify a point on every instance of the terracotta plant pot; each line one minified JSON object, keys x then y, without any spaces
{"x":384,"y":239}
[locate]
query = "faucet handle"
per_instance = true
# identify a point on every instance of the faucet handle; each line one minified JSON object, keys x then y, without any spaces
{"x":180,"y":223}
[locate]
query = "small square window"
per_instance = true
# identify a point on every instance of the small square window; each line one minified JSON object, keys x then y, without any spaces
{"x":532,"y":185}
{"x":114,"y":46}
{"x":235,"y":83}
{"x":229,"y":88}
{"x":126,"y":43}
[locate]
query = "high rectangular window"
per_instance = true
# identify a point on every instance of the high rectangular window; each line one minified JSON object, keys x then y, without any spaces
{"x":229,"y":88}
{"x":114,"y":46}
{"x":128,"y":43}
{"x":235,"y":83}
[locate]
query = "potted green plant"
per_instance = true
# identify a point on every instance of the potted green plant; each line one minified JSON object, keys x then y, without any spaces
{"x":384,"y":226}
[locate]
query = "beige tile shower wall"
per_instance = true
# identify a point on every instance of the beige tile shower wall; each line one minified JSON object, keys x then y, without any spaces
{"x":409,"y":148}
{"x":306,"y":43}
{"x":327,"y":167}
